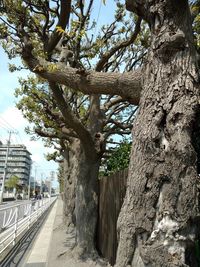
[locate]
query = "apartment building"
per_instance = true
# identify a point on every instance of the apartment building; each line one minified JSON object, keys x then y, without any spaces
{"x":19,"y":162}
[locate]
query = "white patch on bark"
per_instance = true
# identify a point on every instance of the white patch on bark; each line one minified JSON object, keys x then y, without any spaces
{"x":159,"y":203}
{"x":95,"y":197}
{"x":165,"y":143}
{"x":156,"y":22}
{"x":165,"y":231}
{"x":177,"y":249}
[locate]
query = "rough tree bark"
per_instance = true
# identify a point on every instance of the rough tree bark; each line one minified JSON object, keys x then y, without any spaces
{"x":160,"y":213}
{"x":81,"y":198}
{"x":71,"y":166}
{"x":87,"y":189}
{"x":86,"y":206}
{"x":159,"y":220}
{"x":81,"y":168}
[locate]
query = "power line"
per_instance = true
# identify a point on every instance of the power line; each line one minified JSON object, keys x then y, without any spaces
{"x":17,"y":139}
{"x":3,"y":127}
{"x":6,"y":124}
{"x":20,"y":137}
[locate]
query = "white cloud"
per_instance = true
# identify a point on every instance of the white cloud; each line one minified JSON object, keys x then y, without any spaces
{"x":14,"y":117}
{"x":36,"y":158}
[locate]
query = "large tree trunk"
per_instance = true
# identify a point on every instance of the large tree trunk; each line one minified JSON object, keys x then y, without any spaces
{"x":82,"y":184}
{"x":86,"y":206}
{"x":71,"y":167}
{"x":159,"y":222}
{"x":81,"y":199}
{"x":87,"y":191}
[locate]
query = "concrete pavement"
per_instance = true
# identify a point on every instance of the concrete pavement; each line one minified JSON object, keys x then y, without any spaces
{"x":39,"y":252}
{"x":52,"y":247}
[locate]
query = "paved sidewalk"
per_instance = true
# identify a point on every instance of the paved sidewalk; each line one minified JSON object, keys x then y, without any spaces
{"x":63,"y":240}
{"x":39,"y":251}
{"x":52,"y":247}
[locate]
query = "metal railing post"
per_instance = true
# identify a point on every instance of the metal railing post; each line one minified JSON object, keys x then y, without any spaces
{"x":15,"y":226}
{"x":15,"y":223}
{"x":29,"y":215}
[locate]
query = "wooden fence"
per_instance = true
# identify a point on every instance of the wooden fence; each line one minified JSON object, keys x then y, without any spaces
{"x":112,"y":192}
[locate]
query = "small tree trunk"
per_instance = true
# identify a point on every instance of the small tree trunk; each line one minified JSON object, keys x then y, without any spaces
{"x":87,"y":205}
{"x":159,"y":220}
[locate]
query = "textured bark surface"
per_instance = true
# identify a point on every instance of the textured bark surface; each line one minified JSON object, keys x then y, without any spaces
{"x":81,"y":199}
{"x":127,"y":85}
{"x":71,"y":166}
{"x":159,"y":219}
{"x":87,"y":190}
{"x":86,"y":206}
{"x":81,"y":184}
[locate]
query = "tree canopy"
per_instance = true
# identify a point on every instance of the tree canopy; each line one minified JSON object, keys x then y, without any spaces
{"x":12,"y":182}
{"x":119,"y":158}
{"x":157,"y":221}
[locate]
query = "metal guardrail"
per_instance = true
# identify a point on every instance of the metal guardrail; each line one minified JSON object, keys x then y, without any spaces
{"x":17,"y":219}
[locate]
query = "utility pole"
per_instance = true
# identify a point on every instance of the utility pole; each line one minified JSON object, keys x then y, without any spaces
{"x":5,"y":168}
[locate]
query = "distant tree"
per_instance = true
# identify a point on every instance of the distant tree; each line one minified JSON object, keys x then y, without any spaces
{"x":12,"y":182}
{"x":119,"y":158}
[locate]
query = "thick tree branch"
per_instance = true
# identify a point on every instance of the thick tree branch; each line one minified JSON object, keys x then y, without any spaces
{"x":68,"y":131}
{"x":126,"y":85}
{"x":140,"y":7}
{"x":54,"y":135}
{"x":95,"y":115}
{"x":73,"y":122}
